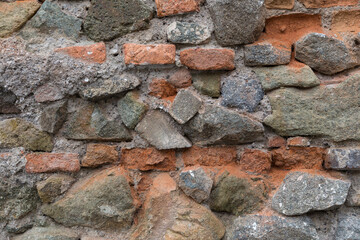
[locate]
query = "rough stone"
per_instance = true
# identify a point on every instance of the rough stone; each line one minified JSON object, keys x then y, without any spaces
{"x":181,"y":78}
{"x":196,"y":184}
{"x":280,"y":4}
{"x":353,"y":198}
{"x":207,"y":83}
{"x":7,"y":102}
{"x":14,"y":15}
{"x":254,"y":160}
{"x":302,"y":192}
{"x":298,"y":157}
{"x":53,"y":186}
{"x":293,"y":111}
{"x":161,"y":88}
{"x":48,"y":233}
{"x":237,"y":22}
{"x":348,"y":226}
{"x":185,"y":106}
{"x":209,"y":156}
{"x":48,"y":93}
{"x":53,"y":117}
{"x":298,"y":142}
{"x":52,"y":162}
{"x":343,"y":159}
{"x":346,"y":21}
{"x":96,"y":205}
{"x":99,"y":154}
{"x":131,"y":109}
{"x":218,"y":125}
{"x":16,"y":132}
{"x":94,"y":53}
{"x":325,"y":54}
{"x":267,"y":54}
{"x":110,"y":87}
{"x":208,"y":59}
{"x":173,"y":7}
{"x":160,"y":131}
{"x":242,"y":90}
{"x":19,"y":226}
{"x":109,"y":19}
{"x":187,"y":33}
{"x":327,"y":3}
{"x":262,"y":227}
{"x":140,"y":54}
{"x":276,"y":142}
{"x":286,"y":76}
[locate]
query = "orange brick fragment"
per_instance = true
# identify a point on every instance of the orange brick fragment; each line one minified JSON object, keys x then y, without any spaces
{"x":172,"y":7}
{"x":95,"y":53}
{"x":255,"y":160}
{"x":99,"y":154}
{"x":140,"y":54}
{"x":209,"y":156}
{"x":298,"y":142}
{"x":280,"y":4}
{"x":161,"y":88}
{"x":327,"y":3}
{"x":52,"y":162}
{"x":276,"y":142}
{"x":346,"y":21}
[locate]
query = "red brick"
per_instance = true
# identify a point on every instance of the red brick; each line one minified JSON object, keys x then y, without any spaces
{"x":280,"y":4}
{"x":148,"y":159}
{"x":172,"y":7}
{"x":254,"y":160}
{"x":346,"y":21}
{"x":99,"y":154}
{"x":161,"y":88}
{"x":48,"y":93}
{"x":209,"y":156}
{"x":52,"y":162}
{"x":95,"y":53}
{"x":181,"y":78}
{"x":327,"y":3}
{"x":140,"y":54}
{"x":208,"y":59}
{"x":276,"y":142}
{"x":298,"y":142}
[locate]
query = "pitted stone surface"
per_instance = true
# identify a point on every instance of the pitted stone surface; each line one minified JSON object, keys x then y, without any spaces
{"x":267,"y":54}
{"x":196,"y":184}
{"x":343,"y":159}
{"x":185,"y":106}
{"x":187,"y":33}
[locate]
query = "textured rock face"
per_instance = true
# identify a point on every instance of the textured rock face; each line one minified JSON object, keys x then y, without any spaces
{"x":181,"y":78}
{"x":187,"y":33}
{"x":7,"y":102}
{"x":343,"y":159}
{"x":108,"y":19}
{"x":47,"y":233}
{"x":237,"y":22}
{"x":185,"y":106}
{"x":53,"y":117}
{"x":293,"y":113}
{"x":298,"y":157}
{"x":131,"y":109}
{"x":161,"y":88}
{"x":196,"y":184}
{"x":302,"y":192}
{"x":209,"y":156}
{"x":207,"y":83}
{"x":106,"y":204}
{"x":52,"y":162}
{"x":173,"y":7}
{"x":54,"y":186}
{"x":99,"y":154}
{"x":348,"y":226}
{"x":353,"y":198}
{"x":267,"y":54}
{"x":346,"y":21}
{"x":217,"y":125}
{"x":254,"y":160}
{"x":280,"y":4}
{"x":328,"y":3}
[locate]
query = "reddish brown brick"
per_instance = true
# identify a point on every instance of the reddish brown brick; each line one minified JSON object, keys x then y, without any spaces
{"x":276,"y":142}
{"x":346,"y":21}
{"x":95,"y":53}
{"x":254,"y":160}
{"x":209,"y":156}
{"x":181,"y":78}
{"x":280,"y":4}
{"x":99,"y":154}
{"x":161,"y":88}
{"x":140,"y":54}
{"x":52,"y":162}
{"x":327,"y":3}
{"x":172,"y":7}
{"x":298,"y":142}
{"x":208,"y":59}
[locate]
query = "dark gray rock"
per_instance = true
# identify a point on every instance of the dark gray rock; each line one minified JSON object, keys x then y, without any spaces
{"x":53,"y":186}
{"x":53,"y":117}
{"x":196,"y":184}
{"x":7,"y":102}
{"x":131,"y":109}
{"x":301,"y":192}
{"x":266,"y":54}
{"x":237,"y":21}
{"x":258,"y":227}
{"x":348,"y":225}
{"x":207,"y":83}
{"x":343,"y":159}
{"x":185,"y":106}
{"x":20,"y":225}
{"x":242,"y":90}
{"x":48,"y":233}
{"x":187,"y":33}
{"x":324,"y":54}
{"x":109,"y":19}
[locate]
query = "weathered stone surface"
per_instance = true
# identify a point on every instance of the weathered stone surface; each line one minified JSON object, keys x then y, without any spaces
{"x":209,"y":156}
{"x":148,"y":159}
{"x":280,"y":4}
{"x":348,"y":226}
{"x":302,"y":192}
{"x":16,"y":132}
{"x":140,"y":54}
{"x":267,"y":54}
{"x":89,"y":123}
{"x":131,"y":109}
{"x":172,"y":7}
{"x":218,"y":125}
{"x":109,"y":87}
{"x":94,"y":53}
{"x":53,"y":117}
{"x":13,"y":15}
{"x":109,"y":19}
{"x":50,"y":17}
{"x":327,"y":3}
{"x":298,"y":142}
{"x":318,"y":111}
{"x":181,"y":78}
{"x":262,"y":227}
{"x":237,"y":22}
{"x":96,"y":205}
{"x":298,"y":157}
{"x":48,"y":93}
{"x":168,"y":214}
{"x":325,"y":54}
{"x":343,"y":159}
{"x":52,"y":162}
{"x":353,"y":198}
{"x":187,"y":33}
{"x":185,"y":106}
{"x":48,"y":233}
{"x":208,"y":59}
{"x":196,"y":184}
{"x":242,"y":90}
{"x":254,"y":160}
{"x":160,"y":131}
{"x":286,"y":76}
{"x":19,"y":226}
{"x":346,"y":21}
{"x":7,"y":102}
{"x":238,"y":193}
{"x":161,"y":88}
{"x":207,"y":83}
{"x":53,"y":186}
{"x":99,"y":154}
{"x":276,"y":142}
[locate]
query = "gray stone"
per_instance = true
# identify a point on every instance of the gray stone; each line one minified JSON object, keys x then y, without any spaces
{"x":218,"y":125}
{"x":108,"y":204}
{"x":53,"y":117}
{"x":353,"y":198}
{"x":266,"y":54}
{"x":301,"y":192}
{"x":258,"y":227}
{"x":343,"y":159}
{"x":207,"y":83}
{"x":196,"y":184}
{"x":325,"y":54}
{"x":185,"y":106}
{"x":109,"y":19}
{"x":348,"y":225}
{"x":318,"y":111}
{"x":7,"y":102}
{"x":286,"y":76}
{"x":20,"y":225}
{"x":242,"y":90}
{"x":51,"y":17}
{"x":53,"y":186}
{"x":131,"y":109}
{"x":237,"y":21}
{"x":159,"y":130}
{"x":48,"y":233}
{"x":187,"y":33}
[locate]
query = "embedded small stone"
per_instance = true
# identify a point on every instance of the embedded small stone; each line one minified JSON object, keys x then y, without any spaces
{"x":267,"y":54}
{"x":140,"y":54}
{"x":46,"y":233}
{"x":99,"y":154}
{"x":187,"y":33}
{"x":254,"y":160}
{"x":95,"y":53}
{"x":181,"y":78}
{"x":52,"y":162}
{"x":161,"y":88}
{"x":280,"y":4}
{"x":53,"y":186}
{"x":7,"y":101}
{"x":131,"y":109}
{"x":207,"y":83}
{"x":53,"y":117}
{"x":173,"y":7}
{"x":343,"y":159}
{"x":48,"y":93}
{"x":185,"y":106}
{"x":298,"y":142}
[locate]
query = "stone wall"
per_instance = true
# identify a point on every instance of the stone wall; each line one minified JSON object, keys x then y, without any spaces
{"x":179,"y":119}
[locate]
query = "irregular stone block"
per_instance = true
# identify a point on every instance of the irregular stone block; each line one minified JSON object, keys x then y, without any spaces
{"x":46,"y":233}
{"x":172,"y":7}
{"x":298,"y":142}
{"x":131,"y":109}
{"x":140,"y":54}
{"x":181,"y":78}
{"x":346,"y":21}
{"x":161,"y":88}
{"x":353,"y":198}
{"x":301,"y":192}
{"x":267,"y":54}
{"x":327,"y":3}
{"x":187,"y":33}
{"x":94,"y":53}
{"x":185,"y":106}
{"x":99,"y":154}
{"x":209,"y":156}
{"x":254,"y":160}
{"x":52,"y":162}
{"x":347,"y":226}
{"x":53,"y":186}
{"x":276,"y":142}
{"x":53,"y":117}
{"x":207,"y":83}
{"x":48,"y":93}
{"x":7,"y":102}
{"x":343,"y":159}
{"x":280,"y":4}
